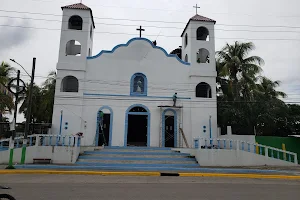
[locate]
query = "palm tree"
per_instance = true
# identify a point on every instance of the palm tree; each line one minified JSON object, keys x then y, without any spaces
{"x":236,"y":66}
{"x":5,"y":73}
{"x":267,"y":88}
{"x":48,"y":96}
{"x":6,"y":101}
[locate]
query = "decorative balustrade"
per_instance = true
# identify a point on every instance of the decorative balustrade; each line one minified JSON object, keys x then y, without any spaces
{"x":270,"y":152}
{"x":43,"y":140}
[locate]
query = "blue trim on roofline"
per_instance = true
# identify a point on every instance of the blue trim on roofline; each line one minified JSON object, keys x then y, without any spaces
{"x":133,"y":39}
{"x":163,"y":126}
{"x":133,"y":113}
{"x":125,"y":95}
{"x":110,"y":125}
{"x":132,"y":84}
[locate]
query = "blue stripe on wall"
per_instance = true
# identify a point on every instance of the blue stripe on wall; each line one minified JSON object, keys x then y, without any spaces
{"x":124,"y":95}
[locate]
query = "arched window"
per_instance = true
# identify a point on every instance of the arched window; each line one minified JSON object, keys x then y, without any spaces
{"x":69,"y":84}
{"x":138,"y":109}
{"x":138,"y":85}
{"x":186,"y":40}
{"x":73,"y":48}
{"x":203,"y":90}
{"x":202,"y":34}
{"x":186,"y":58}
{"x":75,"y":23}
{"x":203,"y":56}
{"x":89,"y":52}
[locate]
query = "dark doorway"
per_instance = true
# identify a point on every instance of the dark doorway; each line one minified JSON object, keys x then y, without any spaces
{"x":137,"y":130}
{"x":169,"y":131}
{"x":106,"y":127}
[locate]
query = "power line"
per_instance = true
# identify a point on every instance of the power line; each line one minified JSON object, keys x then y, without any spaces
{"x":162,"y":27}
{"x":150,"y":21}
{"x":178,"y":10}
{"x":167,"y":36}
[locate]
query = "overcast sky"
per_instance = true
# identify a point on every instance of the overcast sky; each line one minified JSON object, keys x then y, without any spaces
{"x":278,"y":46}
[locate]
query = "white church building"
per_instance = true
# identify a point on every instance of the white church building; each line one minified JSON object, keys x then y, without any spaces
{"x":133,"y":85}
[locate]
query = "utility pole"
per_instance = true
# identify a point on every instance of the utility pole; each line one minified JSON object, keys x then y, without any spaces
{"x":12,"y":141}
{"x":28,"y":114}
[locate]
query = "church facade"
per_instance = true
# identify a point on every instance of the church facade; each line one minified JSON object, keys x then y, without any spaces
{"x":133,"y":86}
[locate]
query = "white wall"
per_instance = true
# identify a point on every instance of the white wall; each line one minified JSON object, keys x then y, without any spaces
{"x":224,"y":158}
{"x":105,"y":80}
{"x":58,"y":154}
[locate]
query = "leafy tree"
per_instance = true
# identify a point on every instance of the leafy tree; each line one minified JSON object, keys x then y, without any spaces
{"x":6,"y":102}
{"x":42,"y":100}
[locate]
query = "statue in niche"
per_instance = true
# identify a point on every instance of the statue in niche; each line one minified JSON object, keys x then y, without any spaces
{"x":139,"y":85}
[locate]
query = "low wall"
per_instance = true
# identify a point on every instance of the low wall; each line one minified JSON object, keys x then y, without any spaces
{"x":226,"y":158}
{"x":58,"y":154}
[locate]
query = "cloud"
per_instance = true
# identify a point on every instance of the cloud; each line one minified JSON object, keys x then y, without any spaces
{"x":12,"y":35}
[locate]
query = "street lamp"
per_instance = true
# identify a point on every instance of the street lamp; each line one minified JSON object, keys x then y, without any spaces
{"x":20,"y":66}
{"x":28,"y":114}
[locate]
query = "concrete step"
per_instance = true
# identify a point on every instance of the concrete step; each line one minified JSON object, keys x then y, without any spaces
{"x":113,"y":168}
{"x":171,"y":153}
{"x":140,"y":161}
{"x":154,"y":165}
{"x":107,"y":155}
{"x":135,"y":158}
{"x":139,"y":148}
{"x":136,"y":149}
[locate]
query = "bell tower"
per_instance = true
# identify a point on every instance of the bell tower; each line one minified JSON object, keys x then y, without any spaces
{"x":76,"y":40}
{"x":198,"y":44}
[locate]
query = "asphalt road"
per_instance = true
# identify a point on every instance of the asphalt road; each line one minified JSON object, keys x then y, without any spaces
{"x":73,"y":187}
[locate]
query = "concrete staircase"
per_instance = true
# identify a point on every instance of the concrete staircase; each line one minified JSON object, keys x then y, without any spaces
{"x":137,"y":159}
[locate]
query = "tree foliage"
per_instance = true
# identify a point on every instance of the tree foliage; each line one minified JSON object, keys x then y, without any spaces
{"x":248,"y":101}
{"x":6,"y":102}
{"x":42,"y":100}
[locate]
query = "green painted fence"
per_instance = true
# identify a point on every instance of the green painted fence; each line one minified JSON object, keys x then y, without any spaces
{"x":292,"y":144}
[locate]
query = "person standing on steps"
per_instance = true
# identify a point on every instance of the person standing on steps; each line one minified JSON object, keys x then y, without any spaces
{"x":174,"y":99}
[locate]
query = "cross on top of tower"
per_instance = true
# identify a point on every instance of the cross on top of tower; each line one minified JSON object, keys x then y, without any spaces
{"x":196,"y":8}
{"x":140,"y":29}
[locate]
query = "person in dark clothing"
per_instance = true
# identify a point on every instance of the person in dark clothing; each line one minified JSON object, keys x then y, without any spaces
{"x":174,"y":99}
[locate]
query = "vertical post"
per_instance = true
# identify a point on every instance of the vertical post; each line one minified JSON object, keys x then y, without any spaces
{"x":284,"y":151}
{"x":28,"y":114}
{"x":210,"y":129}
{"x":266,"y":151}
{"x":61,"y":119}
{"x":12,"y":142}
{"x":37,"y":140}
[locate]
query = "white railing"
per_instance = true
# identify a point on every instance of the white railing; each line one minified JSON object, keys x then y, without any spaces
{"x":42,"y":140}
{"x":206,"y":143}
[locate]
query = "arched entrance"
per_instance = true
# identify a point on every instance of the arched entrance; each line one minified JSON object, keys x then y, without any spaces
{"x":169,"y":128}
{"x":137,"y":126}
{"x":106,"y":126}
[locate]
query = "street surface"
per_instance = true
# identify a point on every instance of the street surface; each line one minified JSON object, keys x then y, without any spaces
{"x":73,"y":187}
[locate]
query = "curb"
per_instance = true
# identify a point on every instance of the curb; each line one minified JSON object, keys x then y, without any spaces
{"x":107,"y":173}
{"x":253,"y":176}
{"x":80,"y":172}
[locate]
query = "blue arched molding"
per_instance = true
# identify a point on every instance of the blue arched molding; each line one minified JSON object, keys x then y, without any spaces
{"x":163,"y":126}
{"x":137,"y":113}
{"x":132,"y":84}
{"x":144,"y":39}
{"x":110,"y":124}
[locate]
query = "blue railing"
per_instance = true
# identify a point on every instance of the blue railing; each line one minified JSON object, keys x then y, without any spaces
{"x":42,"y":140}
{"x":228,"y":144}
